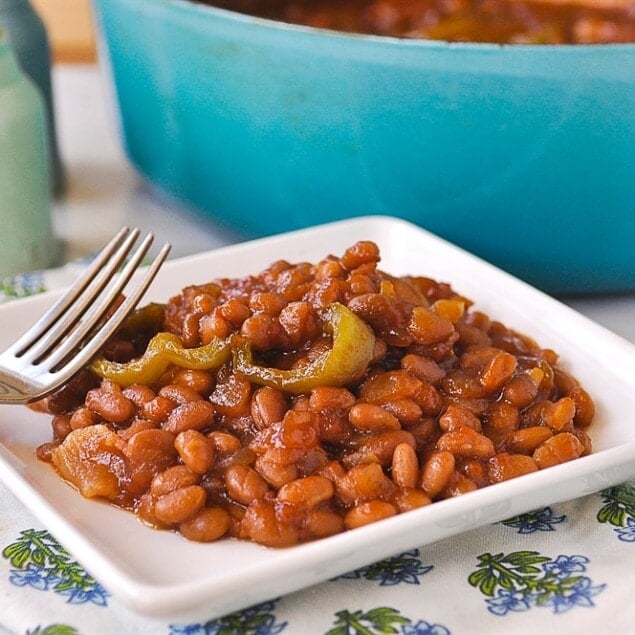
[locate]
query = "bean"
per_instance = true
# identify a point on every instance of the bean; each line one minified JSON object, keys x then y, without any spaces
{"x":61,"y":425}
{"x":268,"y":405}
{"x":436,"y":472}
{"x":200,"y":381}
{"x":389,"y":386}
{"x":364,"y":482}
{"x":180,"y":504}
{"x":458,"y":485}
{"x":307,"y":492}
{"x":299,"y":322}
{"x":83,"y":417}
{"x":244,"y":484}
{"x":466,"y":442}
{"x":194,"y":415}
{"x":475,"y":470}
{"x":360,"y":253}
{"x":453,"y":309}
{"x":231,"y":396}
{"x":502,"y":417}
{"x":158,"y":409}
{"x":213,"y":326}
{"x":136,"y":426}
{"x":407,"y":411}
{"x":456,"y":417}
{"x":428,"y":327}
{"x":520,"y":390}
{"x":378,"y":311}
{"x":320,"y":523}
{"x":276,"y":473}
{"x":195,"y":450}
{"x":329,"y":268}
{"x":330,"y":398}
{"x":235,"y":312}
{"x":152,"y":448}
{"x":298,"y":430}
{"x":179,"y":394}
{"x":224,"y":443}
{"x":558,"y":449}
{"x":267,"y":302}
{"x":584,"y":407}
{"x":368,"y":512}
{"x":263,"y":331}
{"x":190,"y":329}
{"x":139,"y":394}
{"x":379,"y":448}
{"x":408,"y":498}
{"x":504,"y":466}
{"x":261,"y":525}
{"x":559,"y":415}
{"x":171,"y":479}
{"x":498,"y":371}
{"x":526,"y":440}
{"x":110,"y":404}
{"x":423,"y":368}
{"x":429,"y":400}
{"x":372,"y":418}
{"x":206,"y":525}
{"x":405,"y":466}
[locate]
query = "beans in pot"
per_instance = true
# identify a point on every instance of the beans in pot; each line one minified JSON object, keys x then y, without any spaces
{"x":311,"y":399}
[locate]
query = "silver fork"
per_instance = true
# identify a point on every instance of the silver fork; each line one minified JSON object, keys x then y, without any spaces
{"x":71,"y":332}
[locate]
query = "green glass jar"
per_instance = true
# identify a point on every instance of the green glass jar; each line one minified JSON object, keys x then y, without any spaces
{"x":27,"y":33}
{"x":26,"y":235}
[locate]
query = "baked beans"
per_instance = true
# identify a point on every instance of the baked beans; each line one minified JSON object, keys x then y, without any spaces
{"x":311,"y":399}
{"x":511,"y":21}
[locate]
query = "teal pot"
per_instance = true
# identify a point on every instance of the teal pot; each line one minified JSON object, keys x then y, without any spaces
{"x":523,"y":154}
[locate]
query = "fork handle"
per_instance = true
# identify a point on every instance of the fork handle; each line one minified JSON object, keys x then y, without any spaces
{"x":12,"y":393}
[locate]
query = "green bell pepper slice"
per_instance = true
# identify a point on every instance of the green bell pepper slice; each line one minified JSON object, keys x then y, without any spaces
{"x":163,"y":350}
{"x":345,"y":362}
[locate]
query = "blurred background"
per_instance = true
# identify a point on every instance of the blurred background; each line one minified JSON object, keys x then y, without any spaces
{"x":70,"y":28}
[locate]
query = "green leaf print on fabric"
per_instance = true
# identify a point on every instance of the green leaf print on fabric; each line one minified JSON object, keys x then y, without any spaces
{"x":619,"y":511}
{"x":40,"y":562}
{"x":382,"y":620}
{"x":524,"y":579}
{"x":54,"y":629}
{"x":22,"y":286}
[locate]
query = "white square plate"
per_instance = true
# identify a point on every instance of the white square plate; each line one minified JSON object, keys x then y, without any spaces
{"x":163,"y":575}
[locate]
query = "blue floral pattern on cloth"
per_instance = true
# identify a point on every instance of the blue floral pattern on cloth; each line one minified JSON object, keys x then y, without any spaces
{"x":405,"y":568}
{"x":256,"y":620}
{"x":23,"y":285}
{"x":524,"y":579}
{"x":41,"y":563}
{"x":539,"y":520}
{"x":619,"y":511}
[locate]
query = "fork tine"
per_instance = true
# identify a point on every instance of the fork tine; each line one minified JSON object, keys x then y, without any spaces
{"x":76,"y":309}
{"x":53,"y":314}
{"x":96,"y":312}
{"x":108,"y":328}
